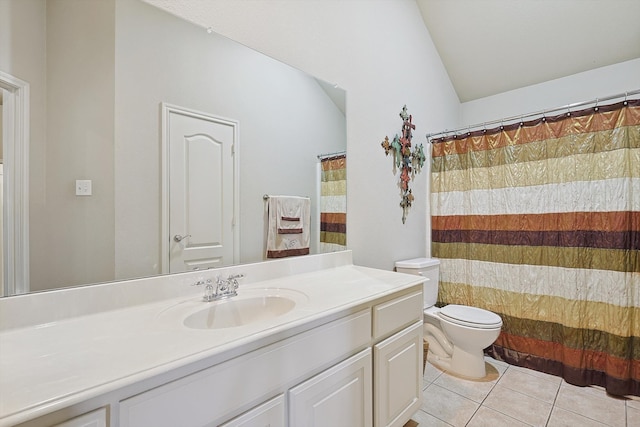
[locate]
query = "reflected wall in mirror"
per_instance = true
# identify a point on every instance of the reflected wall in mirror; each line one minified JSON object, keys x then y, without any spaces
{"x":98,"y":72}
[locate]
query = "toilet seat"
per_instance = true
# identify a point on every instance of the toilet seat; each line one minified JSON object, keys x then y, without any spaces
{"x":471,"y":317}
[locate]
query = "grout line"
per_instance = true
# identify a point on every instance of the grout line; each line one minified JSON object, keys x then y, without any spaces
{"x":474,"y":414}
{"x":553,"y":405}
{"x":429,"y":384}
{"x":492,"y":388}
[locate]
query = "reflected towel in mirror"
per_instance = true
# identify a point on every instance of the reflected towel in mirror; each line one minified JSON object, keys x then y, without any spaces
{"x":288,"y":227}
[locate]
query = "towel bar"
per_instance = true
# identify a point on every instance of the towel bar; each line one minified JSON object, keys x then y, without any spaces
{"x":266,"y":197}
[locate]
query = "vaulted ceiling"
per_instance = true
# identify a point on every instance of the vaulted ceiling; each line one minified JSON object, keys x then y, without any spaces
{"x":492,"y":46}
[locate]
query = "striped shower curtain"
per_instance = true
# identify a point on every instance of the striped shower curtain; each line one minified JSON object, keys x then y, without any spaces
{"x":333,"y":204}
{"x":539,"y":222}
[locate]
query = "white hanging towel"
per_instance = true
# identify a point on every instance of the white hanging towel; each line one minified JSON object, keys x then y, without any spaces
{"x":288,"y":225}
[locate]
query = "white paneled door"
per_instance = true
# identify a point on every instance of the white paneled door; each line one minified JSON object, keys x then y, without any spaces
{"x":200,"y":194}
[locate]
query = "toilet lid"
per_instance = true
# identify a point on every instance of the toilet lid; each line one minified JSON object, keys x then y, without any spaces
{"x":470,"y":316}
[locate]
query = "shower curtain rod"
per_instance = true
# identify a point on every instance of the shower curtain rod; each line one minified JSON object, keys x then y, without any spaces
{"x":335,"y":153}
{"x":538,"y":113}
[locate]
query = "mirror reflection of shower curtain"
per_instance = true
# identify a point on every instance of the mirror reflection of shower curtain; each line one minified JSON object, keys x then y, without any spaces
{"x":333,"y":204}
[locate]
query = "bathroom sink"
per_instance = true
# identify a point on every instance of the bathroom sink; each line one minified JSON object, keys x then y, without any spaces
{"x":239,"y":312}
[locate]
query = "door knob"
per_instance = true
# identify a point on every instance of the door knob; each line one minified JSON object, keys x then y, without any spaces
{"x":178,"y":238}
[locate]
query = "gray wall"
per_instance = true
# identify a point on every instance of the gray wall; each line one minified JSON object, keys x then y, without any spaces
{"x":382,"y":54}
{"x":98,"y":72}
{"x":283,"y":115}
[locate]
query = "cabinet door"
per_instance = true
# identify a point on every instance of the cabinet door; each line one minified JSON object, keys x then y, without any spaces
{"x":269,"y":414}
{"x":397,"y":377}
{"x":339,"y":396}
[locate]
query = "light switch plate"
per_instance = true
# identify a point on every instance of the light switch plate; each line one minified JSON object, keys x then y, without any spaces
{"x":83,"y":187}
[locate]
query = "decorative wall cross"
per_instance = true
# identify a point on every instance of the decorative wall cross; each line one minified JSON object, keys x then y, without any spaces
{"x":410,"y":162}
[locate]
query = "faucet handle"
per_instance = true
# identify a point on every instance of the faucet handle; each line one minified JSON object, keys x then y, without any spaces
{"x":209,"y":293}
{"x":233,"y":280}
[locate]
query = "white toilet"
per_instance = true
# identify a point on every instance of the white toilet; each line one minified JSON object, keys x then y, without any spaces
{"x":457,"y":334}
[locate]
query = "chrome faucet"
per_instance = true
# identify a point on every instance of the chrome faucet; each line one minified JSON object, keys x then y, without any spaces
{"x":225,"y":288}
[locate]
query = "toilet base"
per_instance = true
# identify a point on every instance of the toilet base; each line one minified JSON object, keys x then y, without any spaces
{"x":468,"y":364}
{"x":458,"y":359}
{"x":464,"y":365}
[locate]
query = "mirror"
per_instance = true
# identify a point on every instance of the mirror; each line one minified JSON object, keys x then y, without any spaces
{"x":98,"y":72}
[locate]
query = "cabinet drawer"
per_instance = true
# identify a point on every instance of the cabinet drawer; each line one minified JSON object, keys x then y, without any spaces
{"x":392,"y":316}
{"x":270,"y":414}
{"x":97,"y":418}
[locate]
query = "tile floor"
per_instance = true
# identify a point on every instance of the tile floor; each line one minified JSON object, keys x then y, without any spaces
{"x":511,"y":396}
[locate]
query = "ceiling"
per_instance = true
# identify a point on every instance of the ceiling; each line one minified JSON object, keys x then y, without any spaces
{"x":493,"y":46}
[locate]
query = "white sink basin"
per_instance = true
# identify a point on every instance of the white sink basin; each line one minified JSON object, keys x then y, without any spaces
{"x":232,"y":312}
{"x":251,"y":305}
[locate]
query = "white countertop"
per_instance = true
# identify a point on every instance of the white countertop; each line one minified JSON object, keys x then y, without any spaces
{"x":50,"y":366}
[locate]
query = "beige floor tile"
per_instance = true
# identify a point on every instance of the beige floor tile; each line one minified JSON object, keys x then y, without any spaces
{"x":519,"y":397}
{"x":425,"y":420}
{"x":563,"y":418}
{"x":633,"y":416}
{"x":474,"y":390}
{"x":535,"y":386}
{"x":594,"y":391}
{"x":499,"y":365}
{"x":519,"y":406}
{"x":537,"y":373}
{"x":431,"y":373}
{"x":487,"y":417}
{"x":593,"y":404}
{"x":633,"y":402}
{"x":448,"y":406}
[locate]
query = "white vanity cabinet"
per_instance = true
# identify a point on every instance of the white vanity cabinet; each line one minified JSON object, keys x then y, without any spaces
{"x":215,"y":395}
{"x":353,"y":360}
{"x":397,"y":359}
{"x":379,"y":385}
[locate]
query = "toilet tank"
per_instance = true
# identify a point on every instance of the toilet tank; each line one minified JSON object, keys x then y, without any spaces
{"x":427,"y":267}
